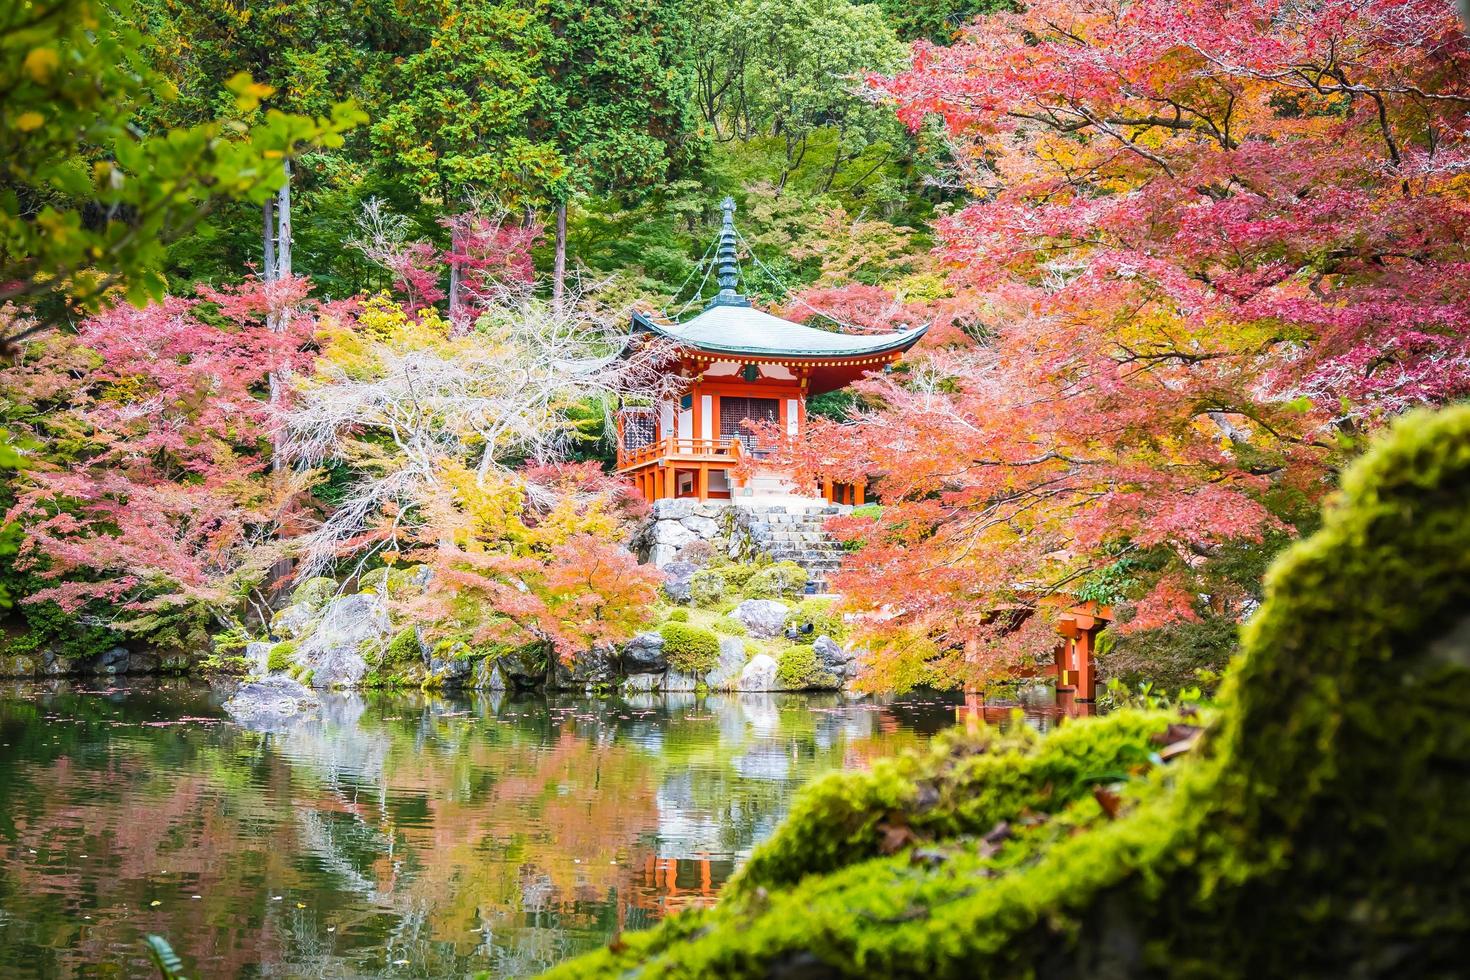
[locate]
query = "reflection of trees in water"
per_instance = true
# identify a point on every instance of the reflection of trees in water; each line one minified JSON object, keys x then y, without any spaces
{"x":477,"y":832}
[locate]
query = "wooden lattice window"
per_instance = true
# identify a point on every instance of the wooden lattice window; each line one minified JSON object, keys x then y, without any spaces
{"x":735,"y":411}
{"x":639,"y":428}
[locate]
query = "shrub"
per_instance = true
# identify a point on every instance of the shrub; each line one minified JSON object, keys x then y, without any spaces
{"x":404,"y":648}
{"x":697,"y":552}
{"x":781,"y":580}
{"x":280,"y":656}
{"x":708,"y":586}
{"x":730,"y":627}
{"x":736,"y":575}
{"x":679,"y":616}
{"x":824,"y":620}
{"x":1170,"y":657}
{"x":800,"y":667}
{"x":690,"y":650}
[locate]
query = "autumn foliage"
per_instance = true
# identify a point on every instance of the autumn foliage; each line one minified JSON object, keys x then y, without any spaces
{"x":1208,"y":245}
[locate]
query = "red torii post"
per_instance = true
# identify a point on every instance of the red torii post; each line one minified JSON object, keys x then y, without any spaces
{"x":1076,"y":673}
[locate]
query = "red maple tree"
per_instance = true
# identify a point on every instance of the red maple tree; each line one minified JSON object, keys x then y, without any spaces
{"x":1210,"y":242}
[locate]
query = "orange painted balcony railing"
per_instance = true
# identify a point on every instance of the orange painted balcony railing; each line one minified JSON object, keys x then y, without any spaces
{"x":680,"y":449}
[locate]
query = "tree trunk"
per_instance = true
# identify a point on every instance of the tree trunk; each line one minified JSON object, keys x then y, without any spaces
{"x":268,"y":264}
{"x":453,"y":267}
{"x":559,"y":263}
{"x":283,"y":226}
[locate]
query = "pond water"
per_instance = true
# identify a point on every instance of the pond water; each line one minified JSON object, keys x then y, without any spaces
{"x":398,"y":835}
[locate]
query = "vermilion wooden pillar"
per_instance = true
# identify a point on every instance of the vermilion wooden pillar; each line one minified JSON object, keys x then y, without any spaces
{"x":1086,"y":676}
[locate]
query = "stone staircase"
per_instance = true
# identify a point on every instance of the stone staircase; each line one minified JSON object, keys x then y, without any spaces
{"x":794,"y":533}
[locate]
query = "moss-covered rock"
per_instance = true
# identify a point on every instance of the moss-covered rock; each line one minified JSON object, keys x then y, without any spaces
{"x":1314,"y":827}
{"x":783,"y":580}
{"x":728,"y":626}
{"x":281,"y":656}
{"x":821,"y":616}
{"x":707,"y":587}
{"x":314,"y":593}
{"x":689,"y":649}
{"x":678,"y":615}
{"x":798,"y":668}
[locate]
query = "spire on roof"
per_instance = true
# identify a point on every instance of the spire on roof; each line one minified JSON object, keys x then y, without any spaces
{"x":727,"y":269}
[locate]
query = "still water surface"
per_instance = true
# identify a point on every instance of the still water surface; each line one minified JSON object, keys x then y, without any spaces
{"x":399,"y":835}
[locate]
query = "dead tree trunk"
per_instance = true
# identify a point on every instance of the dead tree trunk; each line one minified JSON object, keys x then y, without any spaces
{"x":559,"y":263}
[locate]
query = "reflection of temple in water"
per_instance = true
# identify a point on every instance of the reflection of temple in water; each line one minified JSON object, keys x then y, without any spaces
{"x":665,"y":885}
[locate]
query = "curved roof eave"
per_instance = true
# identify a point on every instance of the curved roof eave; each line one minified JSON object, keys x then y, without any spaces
{"x":849,"y":345}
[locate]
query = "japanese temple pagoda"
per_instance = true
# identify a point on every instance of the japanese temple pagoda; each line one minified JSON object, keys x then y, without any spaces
{"x":738,"y":364}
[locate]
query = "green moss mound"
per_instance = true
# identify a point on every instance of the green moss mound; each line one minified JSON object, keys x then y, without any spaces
{"x":782,"y":580}
{"x":821,"y":616}
{"x":314,"y":593}
{"x":799,"y":668}
{"x":281,"y":656}
{"x":728,"y":626}
{"x":1314,"y":827}
{"x":690,"y":650}
{"x":707,"y":587}
{"x":679,"y":616}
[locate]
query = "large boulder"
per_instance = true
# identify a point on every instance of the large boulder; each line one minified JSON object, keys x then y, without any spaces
{"x":257,"y":654}
{"x":700,"y":526}
{"x":758,"y":675}
{"x":525,"y":667}
{"x":833,"y":656}
{"x":667,"y":538}
{"x":762,"y":618}
{"x":488,"y":676}
{"x":19,"y":665}
{"x":111,"y":661}
{"x":644,"y":654}
{"x":294,"y":622}
{"x":452,"y":671}
{"x":334,"y":653}
{"x":636,"y":683}
{"x":595,"y":667}
{"x":678,"y":576}
{"x":675,"y":681}
{"x":727,"y":668}
{"x":271,"y":703}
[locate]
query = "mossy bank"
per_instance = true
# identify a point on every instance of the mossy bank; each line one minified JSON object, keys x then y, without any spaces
{"x":1313,"y":826}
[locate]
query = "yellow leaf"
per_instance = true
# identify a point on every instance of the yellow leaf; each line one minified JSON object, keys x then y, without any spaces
{"x":28,"y":121}
{"x":41,"y":63}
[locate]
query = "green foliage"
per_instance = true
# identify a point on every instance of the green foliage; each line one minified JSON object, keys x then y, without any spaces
{"x":1172,"y":656}
{"x":938,"y":20}
{"x":678,"y":615}
{"x":71,"y":638}
{"x":782,"y":580}
{"x":781,"y":69}
{"x":728,"y":626}
{"x":462,"y":124}
{"x":164,"y":959}
{"x":92,"y":193}
{"x":821,"y":616}
{"x":315,"y":592}
{"x":281,"y":656}
{"x":404,"y":649}
{"x":799,"y":668}
{"x":690,"y":649}
{"x":1313,"y":828}
{"x":708,"y":586}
